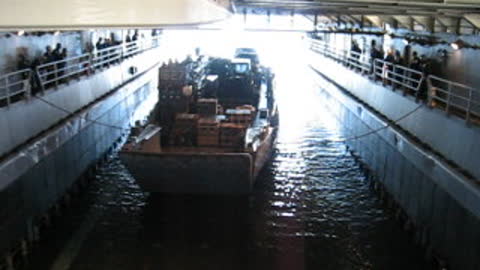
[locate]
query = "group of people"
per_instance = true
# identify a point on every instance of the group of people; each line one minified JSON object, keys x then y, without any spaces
{"x":393,"y":59}
{"x":109,"y":42}
{"x":48,"y":56}
{"x":53,"y":70}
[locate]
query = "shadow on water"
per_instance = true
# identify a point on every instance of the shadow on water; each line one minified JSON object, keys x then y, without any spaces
{"x":195,"y":232}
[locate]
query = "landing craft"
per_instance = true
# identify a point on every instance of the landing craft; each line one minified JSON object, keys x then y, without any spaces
{"x":212,"y":132}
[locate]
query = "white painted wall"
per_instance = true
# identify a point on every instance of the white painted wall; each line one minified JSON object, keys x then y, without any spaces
{"x":74,"y":14}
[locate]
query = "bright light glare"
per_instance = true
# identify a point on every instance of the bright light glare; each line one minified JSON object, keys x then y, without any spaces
{"x":285,"y":52}
{"x":454,"y":46}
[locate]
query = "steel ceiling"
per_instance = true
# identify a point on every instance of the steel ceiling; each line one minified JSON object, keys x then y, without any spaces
{"x":453,"y":16}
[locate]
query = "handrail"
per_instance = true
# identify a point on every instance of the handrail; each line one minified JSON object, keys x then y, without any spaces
{"x":50,"y":74}
{"x":359,"y":60}
{"x":58,"y":72}
{"x":15,"y":84}
{"x":454,"y":96}
{"x":399,"y":76}
{"x":349,"y":58}
{"x":54,"y":73}
{"x":440,"y":93}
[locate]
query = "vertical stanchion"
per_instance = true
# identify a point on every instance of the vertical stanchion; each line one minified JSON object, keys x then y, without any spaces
{"x":55,"y":74}
{"x":40,"y":80}
{"x":449,"y":93}
{"x":7,"y":91}
{"x":27,"y":85}
{"x":429,"y":92}
{"x":469,"y":105}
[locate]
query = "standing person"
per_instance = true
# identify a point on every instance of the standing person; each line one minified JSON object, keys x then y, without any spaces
{"x":374,"y":54}
{"x":57,"y":56}
{"x":48,"y":57}
{"x":388,"y":66}
{"x":356,"y":52}
{"x":128,"y":41}
{"x":426,"y":68}
{"x":135,"y":36}
{"x":415,"y":65}
{"x":135,"y":46}
{"x":99,"y":46}
{"x":36,"y":84}
{"x":61,"y":65}
{"x":399,"y":62}
{"x":107,"y":53}
{"x":88,"y":49}
{"x":57,"y":52}
{"x":22,"y":64}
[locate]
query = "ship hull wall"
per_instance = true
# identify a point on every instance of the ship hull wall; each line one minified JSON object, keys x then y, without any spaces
{"x":426,"y":192}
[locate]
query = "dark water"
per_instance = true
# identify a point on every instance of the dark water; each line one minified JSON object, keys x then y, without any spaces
{"x":311,"y":209}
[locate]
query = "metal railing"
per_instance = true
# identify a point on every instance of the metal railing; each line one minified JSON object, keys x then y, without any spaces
{"x":399,"y":77}
{"x":21,"y":84}
{"x":452,"y":97}
{"x":58,"y":72}
{"x":55,"y":73}
{"x":14,"y":85}
{"x":348,"y":58}
{"x":358,"y":60}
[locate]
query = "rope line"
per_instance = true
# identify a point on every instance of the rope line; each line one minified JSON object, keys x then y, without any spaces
{"x":356,"y":137}
{"x":84,"y":117}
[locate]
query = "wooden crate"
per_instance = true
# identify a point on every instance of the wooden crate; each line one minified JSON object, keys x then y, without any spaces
{"x":208,"y":131}
{"x":239,"y":116}
{"x":186,"y":120}
{"x":208,"y":126}
{"x":207,"y":107}
{"x":232,"y":135}
{"x":246,"y":107}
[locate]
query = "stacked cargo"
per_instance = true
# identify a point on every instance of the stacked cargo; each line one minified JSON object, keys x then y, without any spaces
{"x":239,"y":116}
{"x":232,"y":135}
{"x":184,"y":130}
{"x":173,"y":74}
{"x":208,"y":132}
{"x":207,"y":107}
{"x":175,"y":94}
{"x":246,"y":107}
